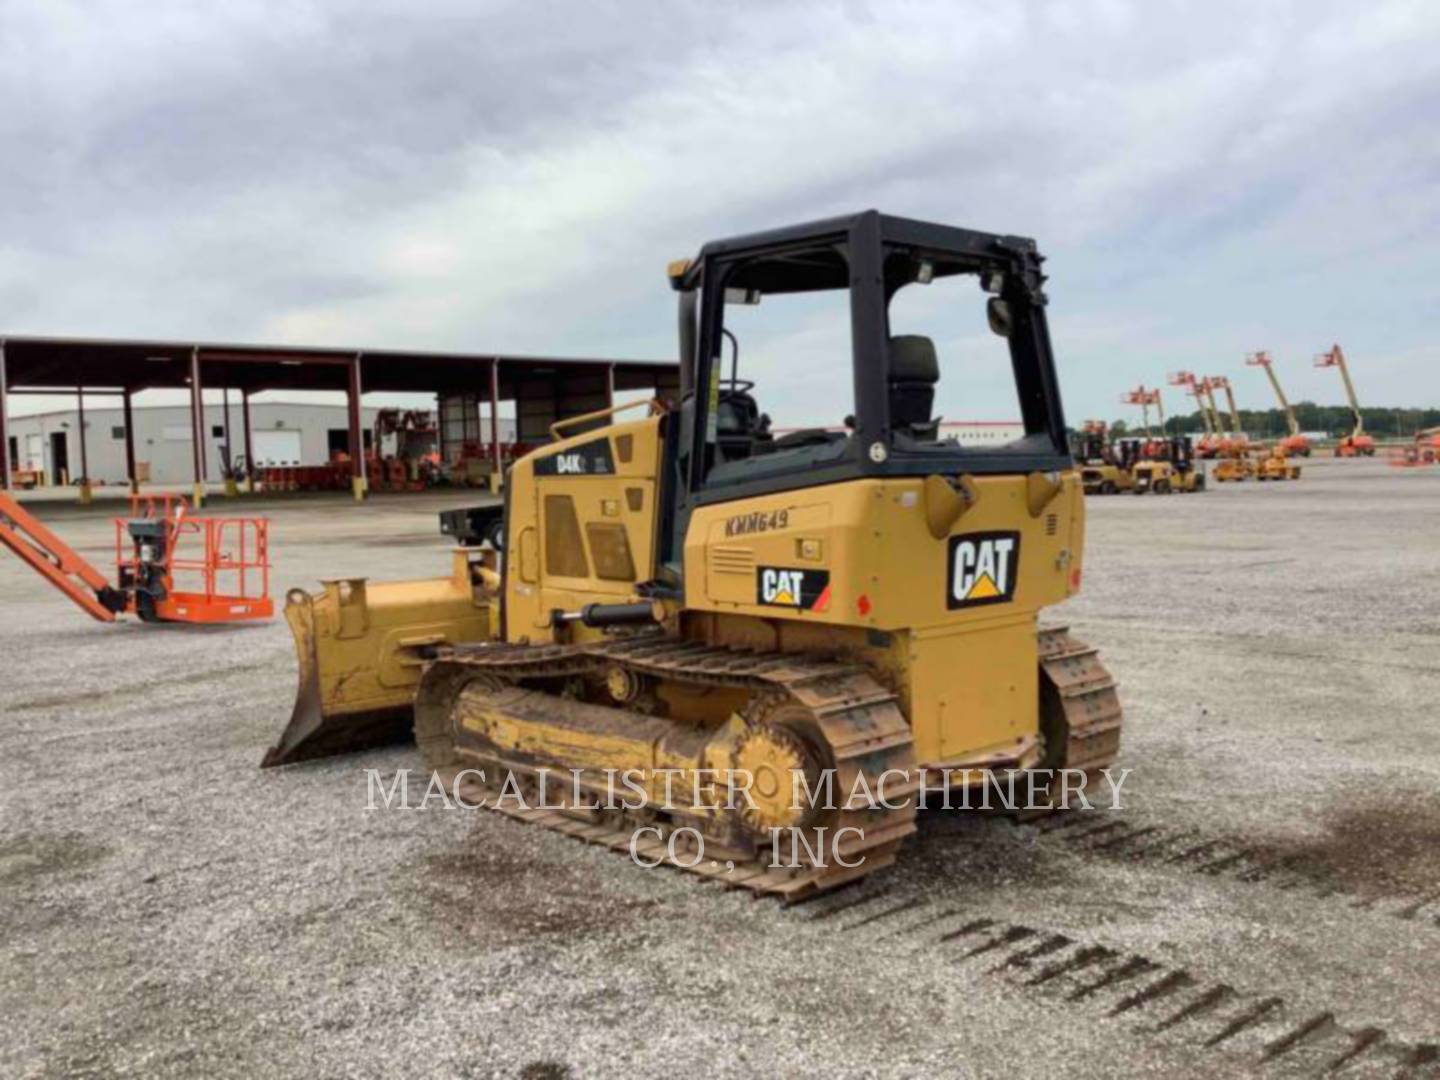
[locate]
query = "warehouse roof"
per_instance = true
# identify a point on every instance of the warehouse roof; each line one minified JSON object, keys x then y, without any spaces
{"x":64,"y":363}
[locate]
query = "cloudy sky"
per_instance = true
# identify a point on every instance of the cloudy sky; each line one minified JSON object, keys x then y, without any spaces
{"x":1207,"y":178}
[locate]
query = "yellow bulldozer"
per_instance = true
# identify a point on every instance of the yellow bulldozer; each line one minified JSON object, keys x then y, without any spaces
{"x":687,"y":593}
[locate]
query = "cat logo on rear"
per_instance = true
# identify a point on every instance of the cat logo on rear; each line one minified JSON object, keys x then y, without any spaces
{"x":983,"y":569}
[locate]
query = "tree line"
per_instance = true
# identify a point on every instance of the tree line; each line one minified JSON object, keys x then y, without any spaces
{"x":1336,"y":419}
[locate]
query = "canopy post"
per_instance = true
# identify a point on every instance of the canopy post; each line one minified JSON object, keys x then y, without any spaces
{"x":86,"y":492}
{"x":498,"y":475}
{"x":6,"y":465}
{"x":128,"y":418}
{"x":227,"y":467}
{"x":249,"y":442}
{"x":197,"y":427}
{"x":357,"y":441}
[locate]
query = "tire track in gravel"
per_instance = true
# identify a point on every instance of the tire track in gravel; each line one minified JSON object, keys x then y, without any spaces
{"x":1410,"y":894}
{"x":1256,"y":1029}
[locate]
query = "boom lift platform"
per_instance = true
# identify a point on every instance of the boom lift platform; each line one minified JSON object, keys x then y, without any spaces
{"x":152,"y":547}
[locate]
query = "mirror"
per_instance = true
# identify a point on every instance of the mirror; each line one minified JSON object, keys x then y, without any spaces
{"x":742,"y":296}
{"x":992,"y":281}
{"x":998,"y":312}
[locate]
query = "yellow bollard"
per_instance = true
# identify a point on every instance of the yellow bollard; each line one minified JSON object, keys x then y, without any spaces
{"x":86,"y":493}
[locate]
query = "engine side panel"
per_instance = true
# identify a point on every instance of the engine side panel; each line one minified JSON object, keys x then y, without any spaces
{"x":582,"y":526}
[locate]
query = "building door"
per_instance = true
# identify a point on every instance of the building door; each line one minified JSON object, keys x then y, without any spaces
{"x":274,"y":449}
{"x":337,"y":441}
{"x":59,"y":458}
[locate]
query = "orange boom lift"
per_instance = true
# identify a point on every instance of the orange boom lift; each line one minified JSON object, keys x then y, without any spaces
{"x":1357,"y":443}
{"x":1210,"y":442}
{"x":225,"y":561}
{"x":1295,"y":442}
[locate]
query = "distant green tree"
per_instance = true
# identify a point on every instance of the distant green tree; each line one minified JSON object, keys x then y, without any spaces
{"x":1333,"y":419}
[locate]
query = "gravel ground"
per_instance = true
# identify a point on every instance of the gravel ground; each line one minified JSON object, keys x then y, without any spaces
{"x":171,"y":910}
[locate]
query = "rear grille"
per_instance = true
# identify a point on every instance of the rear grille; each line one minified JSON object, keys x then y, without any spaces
{"x":732,"y":560}
{"x":1052,"y":524}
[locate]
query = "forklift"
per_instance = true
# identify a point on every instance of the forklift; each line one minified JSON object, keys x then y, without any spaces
{"x":1100,"y":470}
{"x":1163,"y":465}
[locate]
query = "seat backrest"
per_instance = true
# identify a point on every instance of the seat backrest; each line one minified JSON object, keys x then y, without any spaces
{"x":914,"y":371}
{"x":741,"y":428}
{"x":736,"y":414}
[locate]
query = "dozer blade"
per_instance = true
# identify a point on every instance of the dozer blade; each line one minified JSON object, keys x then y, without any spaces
{"x":361,"y":647}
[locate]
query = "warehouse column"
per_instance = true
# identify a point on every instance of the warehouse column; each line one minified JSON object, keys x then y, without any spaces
{"x":357,"y":441}
{"x":249,"y":442}
{"x":227,"y":467}
{"x":85,"y":489}
{"x":197,"y":427}
{"x":5,"y":463}
{"x":128,"y":418}
{"x":497,"y":478}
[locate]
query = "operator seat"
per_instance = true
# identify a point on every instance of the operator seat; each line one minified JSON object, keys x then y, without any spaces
{"x":742,"y":430}
{"x":914,"y":371}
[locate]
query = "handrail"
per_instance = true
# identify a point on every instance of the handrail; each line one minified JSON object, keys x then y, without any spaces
{"x":655,"y":404}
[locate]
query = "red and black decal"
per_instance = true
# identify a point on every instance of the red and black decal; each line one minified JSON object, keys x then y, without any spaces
{"x":789,"y":586}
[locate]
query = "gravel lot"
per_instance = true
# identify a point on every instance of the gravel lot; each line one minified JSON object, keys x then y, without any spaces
{"x":169,"y":909}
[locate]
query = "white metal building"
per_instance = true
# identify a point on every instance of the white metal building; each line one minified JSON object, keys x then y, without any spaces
{"x":285,"y":433}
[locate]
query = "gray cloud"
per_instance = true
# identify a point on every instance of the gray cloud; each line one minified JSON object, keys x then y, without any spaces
{"x":1207,"y":179}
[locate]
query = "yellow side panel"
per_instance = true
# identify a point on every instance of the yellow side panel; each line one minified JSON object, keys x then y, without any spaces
{"x":730,"y":564}
{"x":556,"y":564}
